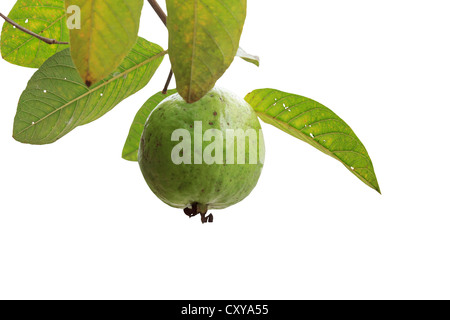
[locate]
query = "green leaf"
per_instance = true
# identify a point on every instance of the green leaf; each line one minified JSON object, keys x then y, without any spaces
{"x":56,"y":100}
{"x":247,"y":57}
{"x":317,"y":125}
{"x":130,"y":150}
{"x":203,"y":40}
{"x":109,"y":29}
{"x":44,"y":17}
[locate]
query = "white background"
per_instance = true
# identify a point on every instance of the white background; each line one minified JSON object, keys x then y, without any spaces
{"x":77,"y":221}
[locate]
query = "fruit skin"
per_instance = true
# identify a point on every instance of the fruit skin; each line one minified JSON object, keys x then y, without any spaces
{"x":214,"y":186}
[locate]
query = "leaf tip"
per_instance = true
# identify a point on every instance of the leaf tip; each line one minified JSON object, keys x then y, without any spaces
{"x":18,"y":138}
{"x":129,"y":157}
{"x":14,"y":136}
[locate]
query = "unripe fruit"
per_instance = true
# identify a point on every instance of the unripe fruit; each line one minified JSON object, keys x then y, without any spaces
{"x":190,"y":156}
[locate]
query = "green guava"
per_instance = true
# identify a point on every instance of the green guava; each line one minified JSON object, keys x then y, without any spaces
{"x":204,"y":155}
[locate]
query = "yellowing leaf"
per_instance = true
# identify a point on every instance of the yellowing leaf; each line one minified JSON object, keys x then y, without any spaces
{"x":203,"y":40}
{"x":44,"y":17}
{"x":109,"y":29}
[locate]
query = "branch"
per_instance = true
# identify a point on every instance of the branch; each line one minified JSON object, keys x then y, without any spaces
{"x":159,"y":11}
{"x":31,"y":33}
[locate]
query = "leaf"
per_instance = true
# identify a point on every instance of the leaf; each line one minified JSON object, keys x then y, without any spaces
{"x":203,"y":40}
{"x":56,"y":100}
{"x":44,"y":17}
{"x":130,"y":150}
{"x":109,"y":29}
{"x":317,"y":125}
{"x":248,"y":57}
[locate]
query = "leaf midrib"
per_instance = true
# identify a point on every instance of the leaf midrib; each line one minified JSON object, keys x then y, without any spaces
{"x":161,"y":54}
{"x":313,"y":142}
{"x":194,"y":40}
{"x":89,"y":47}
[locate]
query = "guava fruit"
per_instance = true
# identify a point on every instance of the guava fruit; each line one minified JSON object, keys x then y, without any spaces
{"x":204,"y":155}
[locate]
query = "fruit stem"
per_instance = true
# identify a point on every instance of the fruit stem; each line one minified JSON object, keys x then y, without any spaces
{"x":169,"y":78}
{"x":162,"y":15}
{"x":159,"y":11}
